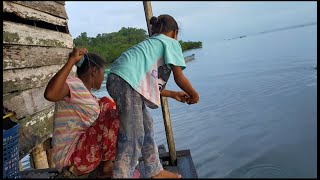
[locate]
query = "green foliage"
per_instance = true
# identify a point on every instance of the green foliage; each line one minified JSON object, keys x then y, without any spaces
{"x":111,"y":45}
{"x":190,"y":45}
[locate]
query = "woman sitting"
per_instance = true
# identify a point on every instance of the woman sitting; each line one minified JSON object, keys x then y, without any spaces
{"x":85,"y":127}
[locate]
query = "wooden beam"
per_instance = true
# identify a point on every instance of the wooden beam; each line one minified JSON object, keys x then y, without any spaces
{"x":16,"y":56}
{"x":61,"y":2}
{"x":29,"y":78}
{"x":26,"y":102}
{"x":32,"y":14}
{"x":55,"y":8}
{"x":21,"y":34}
{"x":34,"y":130}
{"x":23,"y":79}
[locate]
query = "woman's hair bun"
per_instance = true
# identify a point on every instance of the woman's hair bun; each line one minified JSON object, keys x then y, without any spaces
{"x":153,"y":20}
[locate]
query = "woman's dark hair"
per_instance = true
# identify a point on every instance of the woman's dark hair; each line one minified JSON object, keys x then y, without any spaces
{"x":163,"y":24}
{"x":90,"y":60}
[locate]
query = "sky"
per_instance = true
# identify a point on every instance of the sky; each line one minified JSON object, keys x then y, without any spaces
{"x":197,"y":20}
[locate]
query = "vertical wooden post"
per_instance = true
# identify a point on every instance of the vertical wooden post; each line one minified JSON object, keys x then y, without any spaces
{"x":164,"y":100}
{"x":148,"y":14}
{"x":168,"y":128}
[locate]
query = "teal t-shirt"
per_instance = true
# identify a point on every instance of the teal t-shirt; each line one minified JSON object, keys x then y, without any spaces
{"x":147,"y":66}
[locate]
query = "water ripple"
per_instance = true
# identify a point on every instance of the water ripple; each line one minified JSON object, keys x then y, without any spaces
{"x":265,"y":171}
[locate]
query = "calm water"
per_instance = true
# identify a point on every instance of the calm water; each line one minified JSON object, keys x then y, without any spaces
{"x":258,"y":107}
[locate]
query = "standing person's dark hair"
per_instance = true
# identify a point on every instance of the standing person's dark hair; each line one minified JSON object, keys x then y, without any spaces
{"x":163,"y":24}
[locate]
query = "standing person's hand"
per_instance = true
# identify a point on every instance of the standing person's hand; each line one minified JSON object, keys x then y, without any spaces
{"x":181,"y":96}
{"x":76,"y":55}
{"x":193,"y":99}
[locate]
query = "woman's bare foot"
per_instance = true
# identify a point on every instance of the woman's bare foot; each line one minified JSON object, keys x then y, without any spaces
{"x":106,"y":169}
{"x":167,"y":174}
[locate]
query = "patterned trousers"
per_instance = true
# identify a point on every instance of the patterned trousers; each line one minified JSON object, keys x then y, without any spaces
{"x":98,"y":143}
{"x":136,"y":134}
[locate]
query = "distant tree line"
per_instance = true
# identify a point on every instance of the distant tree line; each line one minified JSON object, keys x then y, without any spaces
{"x":111,"y":45}
{"x":190,"y":45}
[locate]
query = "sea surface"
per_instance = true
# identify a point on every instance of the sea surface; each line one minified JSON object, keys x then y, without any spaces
{"x":257,"y":114}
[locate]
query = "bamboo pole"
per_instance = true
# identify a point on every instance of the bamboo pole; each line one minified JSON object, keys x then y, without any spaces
{"x":164,"y":100}
{"x":148,"y":14}
{"x":168,"y":128}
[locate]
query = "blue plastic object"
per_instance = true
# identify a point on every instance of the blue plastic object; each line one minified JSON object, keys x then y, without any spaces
{"x":11,"y":159}
{"x":78,"y":64}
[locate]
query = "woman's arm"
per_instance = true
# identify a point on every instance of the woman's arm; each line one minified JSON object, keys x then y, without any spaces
{"x":57,"y":89}
{"x":185,"y":85}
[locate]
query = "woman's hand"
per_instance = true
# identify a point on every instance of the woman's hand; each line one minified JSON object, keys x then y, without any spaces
{"x":76,"y":55}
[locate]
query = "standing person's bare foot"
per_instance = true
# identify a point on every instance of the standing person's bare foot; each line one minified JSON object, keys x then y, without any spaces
{"x":167,"y":174}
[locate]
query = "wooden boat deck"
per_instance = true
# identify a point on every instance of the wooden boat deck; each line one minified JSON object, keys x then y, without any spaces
{"x":184,"y":166}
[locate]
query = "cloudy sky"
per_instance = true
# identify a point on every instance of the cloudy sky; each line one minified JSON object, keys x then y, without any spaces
{"x":198,"y":21}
